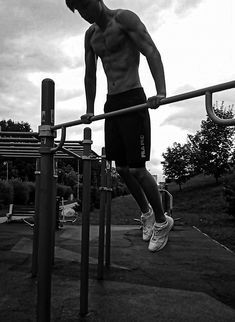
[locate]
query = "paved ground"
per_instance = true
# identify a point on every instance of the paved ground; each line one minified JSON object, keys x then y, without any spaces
{"x":191,"y":279}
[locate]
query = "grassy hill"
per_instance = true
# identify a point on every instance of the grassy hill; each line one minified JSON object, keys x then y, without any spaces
{"x":199,"y":204}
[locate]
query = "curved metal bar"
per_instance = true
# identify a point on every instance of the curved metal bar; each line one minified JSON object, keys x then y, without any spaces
{"x":164,"y":101}
{"x":213,"y":116}
{"x":62,"y":140}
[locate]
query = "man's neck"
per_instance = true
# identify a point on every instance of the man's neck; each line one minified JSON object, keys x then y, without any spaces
{"x":104,"y":17}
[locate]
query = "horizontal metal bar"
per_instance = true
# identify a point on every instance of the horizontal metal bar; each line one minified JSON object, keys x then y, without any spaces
{"x":20,"y":144}
{"x":164,"y":101}
{"x":9,"y":139}
{"x":213,"y":116}
{"x":22,"y":155}
{"x":77,"y":156}
{"x":29,"y":134}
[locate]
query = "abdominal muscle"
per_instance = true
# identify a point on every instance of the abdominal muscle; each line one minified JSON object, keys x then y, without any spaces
{"x":121,"y":70}
{"x":119,"y":56}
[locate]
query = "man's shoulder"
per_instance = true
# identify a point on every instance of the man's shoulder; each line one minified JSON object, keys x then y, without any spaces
{"x":125,"y":15}
{"x":90,"y":31}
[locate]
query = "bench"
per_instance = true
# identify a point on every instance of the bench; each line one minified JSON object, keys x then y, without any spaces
{"x":67,"y":211}
{"x":21,"y":211}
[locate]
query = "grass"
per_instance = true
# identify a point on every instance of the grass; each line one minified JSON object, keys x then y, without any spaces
{"x":200,"y":204}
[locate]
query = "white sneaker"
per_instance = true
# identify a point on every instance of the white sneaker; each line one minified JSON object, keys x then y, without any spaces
{"x":147,"y":220}
{"x":160,"y":234}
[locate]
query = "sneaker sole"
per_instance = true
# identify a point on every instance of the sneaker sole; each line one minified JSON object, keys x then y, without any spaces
{"x":165,"y":241}
{"x":146,"y":239}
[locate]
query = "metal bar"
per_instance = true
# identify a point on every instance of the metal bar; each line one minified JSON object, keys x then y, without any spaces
{"x":213,"y":116}
{"x":62,"y":140}
{"x":36,"y":220}
{"x":55,"y":177}
{"x":20,"y":144}
{"x":72,"y":153}
{"x":31,"y":134}
{"x":100,"y":267}
{"x":86,"y":198}
{"x":6,"y":139}
{"x":108,"y":214}
{"x":164,"y":101}
{"x":46,"y":203}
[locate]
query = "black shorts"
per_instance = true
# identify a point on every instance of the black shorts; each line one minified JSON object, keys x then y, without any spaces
{"x":127,"y":137}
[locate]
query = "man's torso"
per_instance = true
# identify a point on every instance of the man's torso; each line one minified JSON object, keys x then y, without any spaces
{"x":118,"y":54}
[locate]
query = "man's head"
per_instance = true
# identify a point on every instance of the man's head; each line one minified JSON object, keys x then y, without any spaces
{"x":88,"y":9}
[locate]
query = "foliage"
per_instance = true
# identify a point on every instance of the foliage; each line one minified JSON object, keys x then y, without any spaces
{"x":31,"y":189}
{"x":20,"y":192}
{"x":229,"y":194}
{"x":177,"y":164}
{"x":17,"y":168}
{"x":11,"y":126}
{"x":209,"y":151}
{"x":6,"y":192}
{"x":63,"y":191}
{"x":119,"y":188}
{"x":211,"y":147}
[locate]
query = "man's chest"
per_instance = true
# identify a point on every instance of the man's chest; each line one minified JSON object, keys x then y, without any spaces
{"x":109,"y":41}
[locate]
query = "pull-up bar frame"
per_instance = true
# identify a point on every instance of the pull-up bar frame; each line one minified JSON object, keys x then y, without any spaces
{"x":46,"y":192}
{"x":207,"y":91}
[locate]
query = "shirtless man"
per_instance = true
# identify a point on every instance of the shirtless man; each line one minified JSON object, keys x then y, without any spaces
{"x":118,"y":37}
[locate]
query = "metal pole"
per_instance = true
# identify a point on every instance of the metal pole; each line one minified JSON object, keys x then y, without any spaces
{"x":55,"y":177}
{"x":46,"y":203}
{"x":78,"y":195}
{"x":36,"y":220}
{"x":108,"y":213}
{"x":86,"y":200}
{"x":100,"y":267}
{"x":164,"y":101}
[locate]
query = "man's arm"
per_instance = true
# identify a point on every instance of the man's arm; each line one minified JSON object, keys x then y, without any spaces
{"x":90,"y":73}
{"x":138,"y":33}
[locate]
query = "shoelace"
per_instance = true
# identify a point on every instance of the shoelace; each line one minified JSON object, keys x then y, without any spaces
{"x":156,"y":230}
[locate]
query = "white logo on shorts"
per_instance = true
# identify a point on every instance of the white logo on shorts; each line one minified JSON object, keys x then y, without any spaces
{"x":142,"y":147}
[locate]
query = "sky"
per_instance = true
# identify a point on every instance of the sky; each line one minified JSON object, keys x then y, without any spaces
{"x":43,"y":39}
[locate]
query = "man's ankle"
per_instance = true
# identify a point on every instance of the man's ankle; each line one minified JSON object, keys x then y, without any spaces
{"x":160,"y":220}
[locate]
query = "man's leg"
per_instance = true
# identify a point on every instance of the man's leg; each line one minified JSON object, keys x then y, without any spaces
{"x":163,"y":223}
{"x":147,"y":214}
{"x":150,"y":188}
{"x":134,"y":187}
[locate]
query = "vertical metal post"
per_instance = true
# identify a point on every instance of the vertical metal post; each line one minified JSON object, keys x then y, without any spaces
{"x":100,"y":267}
{"x":86,"y":200}
{"x":78,"y":195}
{"x":55,"y":177}
{"x":46,"y":203}
{"x":36,"y":220}
{"x":108,"y":213}
{"x":166,"y":199}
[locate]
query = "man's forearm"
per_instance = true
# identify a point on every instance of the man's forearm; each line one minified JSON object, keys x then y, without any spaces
{"x":90,"y":89}
{"x":157,"y":70}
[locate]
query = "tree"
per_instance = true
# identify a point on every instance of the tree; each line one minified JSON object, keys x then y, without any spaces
{"x":211,"y":147}
{"x":11,"y":126}
{"x":177,"y":164}
{"x":17,"y":168}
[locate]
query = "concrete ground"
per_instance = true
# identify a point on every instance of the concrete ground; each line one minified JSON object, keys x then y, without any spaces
{"x":191,"y":279}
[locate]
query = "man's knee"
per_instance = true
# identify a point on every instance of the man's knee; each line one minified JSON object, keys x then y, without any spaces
{"x":139,"y":173}
{"x":123,"y":171}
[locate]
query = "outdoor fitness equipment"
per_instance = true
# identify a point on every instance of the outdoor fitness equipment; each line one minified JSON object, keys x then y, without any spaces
{"x":47,"y":133}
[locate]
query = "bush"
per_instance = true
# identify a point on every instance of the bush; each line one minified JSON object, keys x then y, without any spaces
{"x":6,"y":193}
{"x":229,"y":194}
{"x":63,"y":191}
{"x":31,"y":188}
{"x":20,"y":192}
